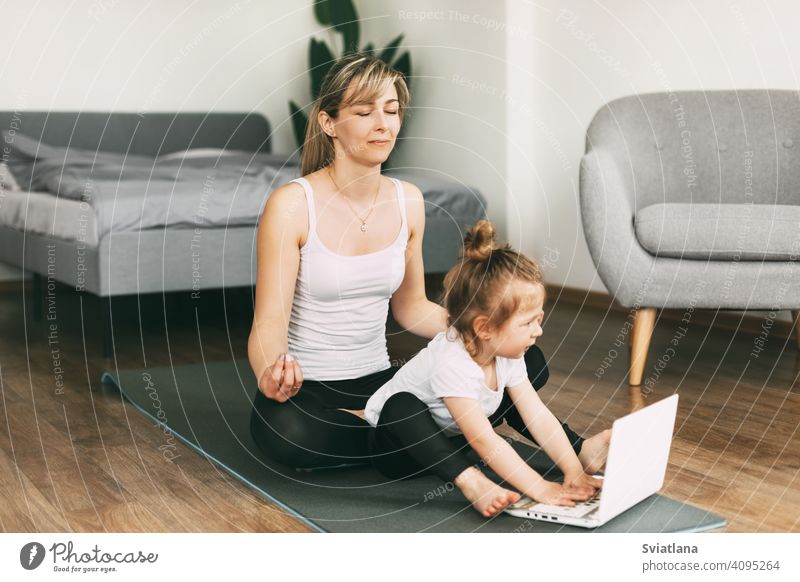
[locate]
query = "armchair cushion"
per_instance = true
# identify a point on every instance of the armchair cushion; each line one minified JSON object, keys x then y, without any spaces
{"x":720,"y":232}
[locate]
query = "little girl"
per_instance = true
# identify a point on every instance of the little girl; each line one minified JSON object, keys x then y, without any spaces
{"x":471,"y":378}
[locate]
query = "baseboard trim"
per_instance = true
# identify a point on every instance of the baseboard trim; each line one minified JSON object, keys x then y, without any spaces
{"x":750,"y":324}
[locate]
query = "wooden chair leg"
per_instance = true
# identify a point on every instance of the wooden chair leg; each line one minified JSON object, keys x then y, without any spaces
{"x":796,"y":319}
{"x":643,"y":323}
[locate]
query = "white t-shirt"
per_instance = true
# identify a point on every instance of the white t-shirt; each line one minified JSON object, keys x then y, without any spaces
{"x":444,"y":368}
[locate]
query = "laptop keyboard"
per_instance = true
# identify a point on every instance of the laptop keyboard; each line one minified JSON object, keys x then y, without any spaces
{"x":581,"y":509}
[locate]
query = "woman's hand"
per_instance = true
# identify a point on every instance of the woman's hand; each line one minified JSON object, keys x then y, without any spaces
{"x":556,"y":494}
{"x":282,"y":379}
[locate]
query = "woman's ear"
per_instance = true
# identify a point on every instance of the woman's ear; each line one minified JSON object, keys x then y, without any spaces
{"x":326,"y":122}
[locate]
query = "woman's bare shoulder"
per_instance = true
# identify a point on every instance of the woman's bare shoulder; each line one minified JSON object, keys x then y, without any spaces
{"x":415,"y":207}
{"x":411,"y":191}
{"x":286,"y":209}
{"x":286,"y":194}
{"x":288,"y":201}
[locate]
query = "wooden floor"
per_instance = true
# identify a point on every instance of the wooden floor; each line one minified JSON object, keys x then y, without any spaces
{"x":74,"y":457}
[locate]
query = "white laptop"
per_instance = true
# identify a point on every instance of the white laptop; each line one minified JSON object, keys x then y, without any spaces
{"x":637,"y":462}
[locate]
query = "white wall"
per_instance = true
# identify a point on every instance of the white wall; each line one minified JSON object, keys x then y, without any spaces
{"x":569,"y":57}
{"x":455,"y":126}
{"x":193,"y":56}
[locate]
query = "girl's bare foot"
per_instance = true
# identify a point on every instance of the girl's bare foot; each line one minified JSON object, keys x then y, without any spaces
{"x":594,"y":452}
{"x":486,"y":496}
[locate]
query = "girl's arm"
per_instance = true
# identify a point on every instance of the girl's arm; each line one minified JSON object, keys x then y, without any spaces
{"x":502,"y":458}
{"x":410,"y":305}
{"x":549,"y":433}
{"x":545,"y":428}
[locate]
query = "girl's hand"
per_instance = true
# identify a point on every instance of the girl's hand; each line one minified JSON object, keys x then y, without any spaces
{"x":582,"y":482}
{"x":282,"y":379}
{"x":556,"y":494}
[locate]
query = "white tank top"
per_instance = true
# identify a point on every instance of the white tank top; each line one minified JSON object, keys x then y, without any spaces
{"x":338,"y":324}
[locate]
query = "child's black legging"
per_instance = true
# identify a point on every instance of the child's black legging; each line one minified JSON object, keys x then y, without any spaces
{"x":407,"y":442}
{"x":311,"y":431}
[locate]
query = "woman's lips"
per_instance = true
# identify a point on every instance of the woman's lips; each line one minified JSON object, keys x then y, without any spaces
{"x":379,"y":142}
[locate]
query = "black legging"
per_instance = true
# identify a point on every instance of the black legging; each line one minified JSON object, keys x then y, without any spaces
{"x":407,"y":442}
{"x":309,"y":431}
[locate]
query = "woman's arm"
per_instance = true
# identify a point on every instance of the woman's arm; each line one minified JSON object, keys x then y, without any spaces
{"x":280,"y":231}
{"x":502,"y":457}
{"x":410,"y":305}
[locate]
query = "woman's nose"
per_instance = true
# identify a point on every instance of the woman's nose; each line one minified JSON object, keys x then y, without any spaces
{"x":383,"y":121}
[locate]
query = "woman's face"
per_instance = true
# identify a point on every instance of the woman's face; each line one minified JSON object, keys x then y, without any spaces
{"x":365,"y":132}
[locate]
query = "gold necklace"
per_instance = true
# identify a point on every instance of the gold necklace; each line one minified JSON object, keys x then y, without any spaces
{"x":371,"y":208}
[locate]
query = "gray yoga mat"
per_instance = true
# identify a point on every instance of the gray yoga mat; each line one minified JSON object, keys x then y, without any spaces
{"x":207,"y":406}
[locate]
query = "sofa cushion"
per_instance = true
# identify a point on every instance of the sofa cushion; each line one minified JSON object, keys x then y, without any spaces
{"x":720,"y":232}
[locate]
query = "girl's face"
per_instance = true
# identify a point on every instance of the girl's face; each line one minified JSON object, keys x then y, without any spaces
{"x":520,"y":331}
{"x":365,"y":131}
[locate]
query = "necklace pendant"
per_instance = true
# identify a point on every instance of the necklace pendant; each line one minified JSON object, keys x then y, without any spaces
{"x":363,"y":227}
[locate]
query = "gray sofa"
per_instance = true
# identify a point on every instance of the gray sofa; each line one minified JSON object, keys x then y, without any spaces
{"x":158,"y":260}
{"x":692,"y":200}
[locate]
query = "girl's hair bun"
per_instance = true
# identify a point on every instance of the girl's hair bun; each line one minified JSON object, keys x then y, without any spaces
{"x":479,"y":241}
{"x":480,"y":284}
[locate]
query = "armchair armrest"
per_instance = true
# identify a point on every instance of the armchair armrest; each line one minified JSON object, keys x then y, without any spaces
{"x":607,"y":196}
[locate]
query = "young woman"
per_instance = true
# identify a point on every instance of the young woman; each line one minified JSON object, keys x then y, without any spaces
{"x":336,"y":248}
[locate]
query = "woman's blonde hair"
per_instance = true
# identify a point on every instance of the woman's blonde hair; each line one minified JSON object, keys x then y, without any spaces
{"x":478,"y":284}
{"x":371,"y":77}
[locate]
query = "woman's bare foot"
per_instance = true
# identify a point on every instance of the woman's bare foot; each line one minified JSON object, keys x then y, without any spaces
{"x":594,"y":451}
{"x":486,"y":496}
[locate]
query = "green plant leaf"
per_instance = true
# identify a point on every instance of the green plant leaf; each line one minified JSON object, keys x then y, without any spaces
{"x":299,"y":122}
{"x":388,"y":53}
{"x":403,"y":64}
{"x":368,"y":48}
{"x":322,"y":12}
{"x":320,"y":60}
{"x":345,"y":20}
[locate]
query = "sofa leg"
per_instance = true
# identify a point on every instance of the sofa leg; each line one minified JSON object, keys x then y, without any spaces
{"x":108,"y":329}
{"x":37,"y":297}
{"x":644,"y":321}
{"x":796,"y":320}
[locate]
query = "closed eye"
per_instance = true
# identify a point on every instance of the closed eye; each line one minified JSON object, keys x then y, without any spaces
{"x":366,"y":114}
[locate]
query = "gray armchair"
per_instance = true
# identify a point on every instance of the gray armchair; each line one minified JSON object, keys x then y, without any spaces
{"x":692,"y":200}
